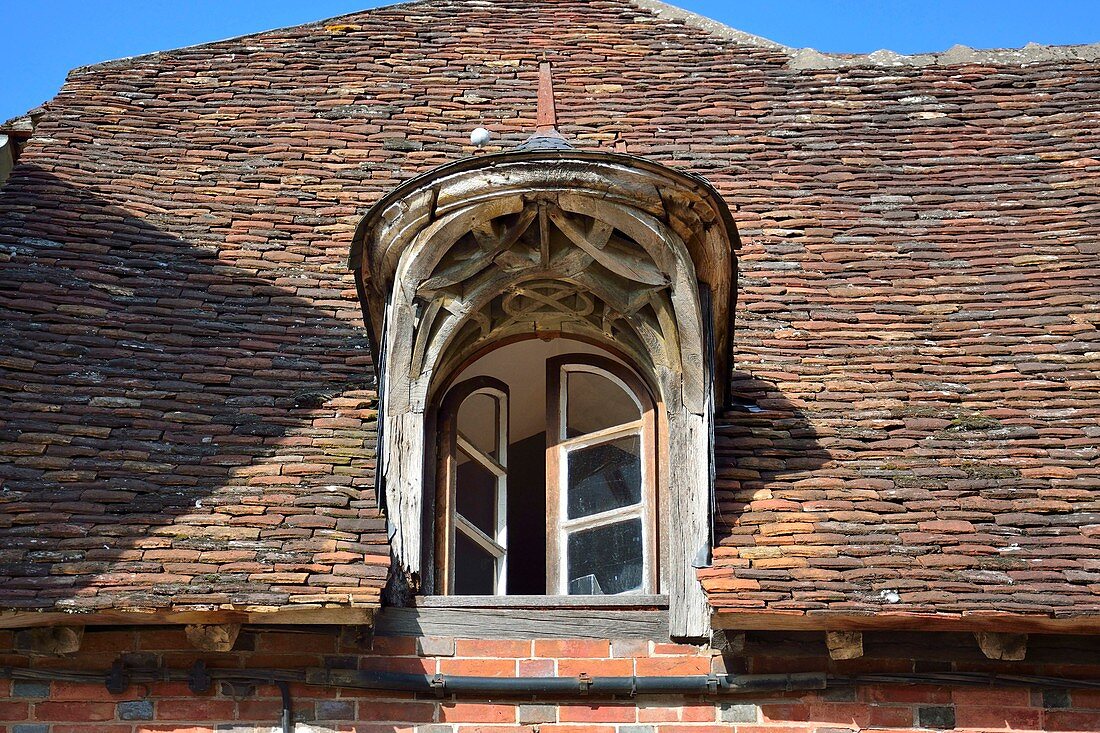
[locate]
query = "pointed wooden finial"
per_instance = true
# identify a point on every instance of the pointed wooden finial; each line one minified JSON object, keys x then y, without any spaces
{"x":547,"y":121}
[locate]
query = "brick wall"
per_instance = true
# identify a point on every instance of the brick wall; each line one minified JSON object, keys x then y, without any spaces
{"x":64,"y":707}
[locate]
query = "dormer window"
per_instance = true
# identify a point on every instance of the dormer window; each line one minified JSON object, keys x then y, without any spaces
{"x":543,"y":245}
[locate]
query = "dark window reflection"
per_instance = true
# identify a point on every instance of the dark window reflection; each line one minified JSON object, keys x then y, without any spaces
{"x":606,"y":560}
{"x":475,"y":569}
{"x":604,"y":477}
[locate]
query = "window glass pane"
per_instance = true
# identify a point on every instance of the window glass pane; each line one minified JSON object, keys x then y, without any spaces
{"x":594,"y":402}
{"x":604,"y":477}
{"x":477,"y":421}
{"x":476,"y":494}
{"x":606,"y":560}
{"x":475,"y":569}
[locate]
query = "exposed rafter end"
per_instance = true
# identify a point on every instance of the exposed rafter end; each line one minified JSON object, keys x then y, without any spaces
{"x":1003,"y":647}
{"x":49,"y":641}
{"x":844,"y":644}
{"x":214,"y":637}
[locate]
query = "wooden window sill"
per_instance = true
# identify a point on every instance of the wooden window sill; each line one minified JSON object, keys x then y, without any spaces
{"x":632,"y":601}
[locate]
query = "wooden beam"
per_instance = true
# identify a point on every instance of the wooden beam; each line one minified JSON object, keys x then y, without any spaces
{"x":844,"y":644}
{"x":999,"y":646}
{"x":506,"y":623}
{"x":337,"y":616}
{"x":834,"y":621}
{"x":212,"y":637}
{"x":49,"y":641}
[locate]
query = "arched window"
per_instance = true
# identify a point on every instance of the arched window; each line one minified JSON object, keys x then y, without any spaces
{"x":568,"y":470}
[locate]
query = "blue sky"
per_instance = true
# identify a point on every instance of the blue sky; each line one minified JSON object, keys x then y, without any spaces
{"x":44,"y":39}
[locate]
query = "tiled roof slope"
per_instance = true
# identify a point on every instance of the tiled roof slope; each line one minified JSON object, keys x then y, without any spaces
{"x":187,"y":408}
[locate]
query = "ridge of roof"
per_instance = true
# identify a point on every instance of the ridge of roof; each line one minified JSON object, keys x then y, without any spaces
{"x":322,"y":22}
{"x":809,"y":58}
{"x":800,"y":58}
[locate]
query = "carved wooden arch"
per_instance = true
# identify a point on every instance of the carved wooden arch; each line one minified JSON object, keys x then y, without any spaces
{"x":614,"y":248}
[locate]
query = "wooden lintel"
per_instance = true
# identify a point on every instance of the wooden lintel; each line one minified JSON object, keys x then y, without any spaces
{"x":844,"y":644}
{"x":1002,"y":647}
{"x":992,"y":621}
{"x":50,"y":641}
{"x":335,"y":616}
{"x":212,"y":637}
{"x":512,"y":623}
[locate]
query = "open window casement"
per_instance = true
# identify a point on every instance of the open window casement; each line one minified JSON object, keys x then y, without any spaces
{"x":608,"y":249}
{"x":601,"y":471}
{"x":471,"y":520}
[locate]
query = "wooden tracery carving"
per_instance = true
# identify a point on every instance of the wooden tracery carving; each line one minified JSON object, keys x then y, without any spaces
{"x":610,"y":248}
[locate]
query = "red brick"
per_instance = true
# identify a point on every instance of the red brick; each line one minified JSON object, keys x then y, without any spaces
{"x":573,"y":713}
{"x":74,"y":711}
{"x":671,"y":711}
{"x":195,"y":709}
{"x":702,"y":713}
{"x":1071,"y":720}
{"x":106,"y":641}
{"x":1088,"y":699}
{"x":843,"y":713}
{"x":478,"y":667}
{"x":785,"y":713}
{"x":292,"y":643}
{"x":17,"y":710}
{"x":403,"y":712}
{"x":558,"y":648}
{"x":500,"y":648}
{"x":85,"y":691}
{"x":465,"y":712}
{"x":662,"y":666}
{"x":395,"y":646}
{"x":162,"y":639}
{"x":998,"y":718}
{"x":537,"y":667}
{"x":264,"y":709}
{"x":890,"y":716}
{"x":987,"y":697}
{"x":596,"y":667}
{"x":906,"y":694}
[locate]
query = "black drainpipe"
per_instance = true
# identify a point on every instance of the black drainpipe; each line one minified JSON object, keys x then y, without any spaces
{"x":582,"y":686}
{"x":284,"y":692}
